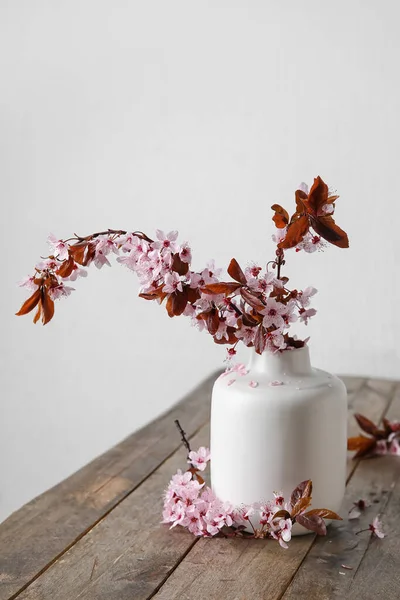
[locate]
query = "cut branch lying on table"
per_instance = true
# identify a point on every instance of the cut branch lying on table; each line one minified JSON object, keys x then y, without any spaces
{"x":381,"y":441}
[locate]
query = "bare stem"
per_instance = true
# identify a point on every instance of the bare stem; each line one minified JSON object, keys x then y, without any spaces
{"x":183,"y":436}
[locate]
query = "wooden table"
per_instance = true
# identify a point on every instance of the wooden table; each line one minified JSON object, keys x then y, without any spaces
{"x":97,"y":535}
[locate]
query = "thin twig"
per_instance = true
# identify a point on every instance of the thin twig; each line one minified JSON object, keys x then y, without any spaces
{"x":183,"y":436}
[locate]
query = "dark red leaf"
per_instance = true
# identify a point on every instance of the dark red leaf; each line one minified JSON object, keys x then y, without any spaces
{"x":325,"y":513}
{"x":236,"y":272}
{"x":303,"y":490}
{"x":77,"y":251}
{"x":180,"y":301}
{"x":193,"y":294}
{"x":282,"y":514}
{"x":313,"y":523}
{"x":47,"y":306}
{"x":66,"y":268}
{"x":300,"y":506}
{"x":300,"y":197}
{"x":326,"y":227}
{"x":221,"y":288}
{"x":178,"y":265}
{"x":260,"y":340}
{"x":295,"y":233}
{"x":281,"y":216}
{"x":90,"y":254}
{"x":170,"y":305}
{"x":212,"y":321}
{"x":318,"y":195}
{"x":252,"y":300}
{"x":30,"y":303}
{"x":365,"y":424}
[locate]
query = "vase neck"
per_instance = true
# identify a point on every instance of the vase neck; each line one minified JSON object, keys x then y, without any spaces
{"x":287,"y":362}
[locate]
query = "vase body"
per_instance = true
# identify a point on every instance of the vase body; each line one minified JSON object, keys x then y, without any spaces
{"x":274,"y":424}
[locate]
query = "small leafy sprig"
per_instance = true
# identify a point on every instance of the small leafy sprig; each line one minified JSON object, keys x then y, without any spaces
{"x":380,"y":440}
{"x":256,"y":307}
{"x":192,"y":505}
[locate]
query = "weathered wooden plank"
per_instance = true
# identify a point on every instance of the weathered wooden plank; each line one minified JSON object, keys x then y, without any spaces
{"x":258,"y":570}
{"x":378,"y":576}
{"x":127,"y":554}
{"x":373,"y":561}
{"x":372,"y":400}
{"x":34,"y":536}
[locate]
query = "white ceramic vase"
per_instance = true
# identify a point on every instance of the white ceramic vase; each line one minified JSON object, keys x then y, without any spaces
{"x":275,"y":423}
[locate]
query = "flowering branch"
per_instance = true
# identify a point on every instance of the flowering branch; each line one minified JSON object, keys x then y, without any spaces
{"x":187,"y":502}
{"x":385,"y":440}
{"x":255,"y":307}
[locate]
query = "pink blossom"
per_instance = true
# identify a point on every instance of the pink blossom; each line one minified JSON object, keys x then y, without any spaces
{"x":60,"y":291}
{"x":279,"y":235}
{"x":200,"y":458}
{"x":381,"y":447}
{"x":275,"y":383}
{"x":246,"y":334}
{"x":173,"y":282}
{"x":240,"y":369}
{"x":101,"y":259}
{"x":279,"y":499}
{"x":275,"y":340}
{"x":105,"y":245}
{"x":78,"y":272}
{"x":185,"y":253}
{"x":166,"y":241}
{"x":253,"y":384}
{"x":59,"y":248}
{"x":303,"y":187}
{"x":327,"y":209}
{"x":273,"y":314}
{"x":50,"y":264}
{"x":252,"y":271}
{"x":231,"y":381}
{"x":29,"y":283}
{"x":394,"y":447}
{"x":376,"y":528}
{"x":129,"y":260}
{"x":305,"y":314}
{"x":213,"y":272}
{"x":285,"y":531}
{"x":304,"y":297}
{"x":311,"y":243}
{"x":221,"y":331}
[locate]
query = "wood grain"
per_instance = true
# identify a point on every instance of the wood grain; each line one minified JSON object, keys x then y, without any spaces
{"x":34,"y":536}
{"x":257,"y":572}
{"x":98,"y":534}
{"x":127,"y":554}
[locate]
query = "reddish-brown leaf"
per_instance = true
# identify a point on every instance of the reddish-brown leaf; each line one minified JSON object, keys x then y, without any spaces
{"x":282,"y":514}
{"x":300,"y":197}
{"x":325,"y":513}
{"x":252,"y":300}
{"x":193,"y":294}
{"x":281,"y":216}
{"x":313,"y":523}
{"x":212,"y":321}
{"x":300,"y":506}
{"x":178,"y":265}
{"x":180,"y":301}
{"x":318,"y":195}
{"x":77,"y":251}
{"x":326,"y":227}
{"x":47,"y":306}
{"x":303,"y":490}
{"x":295,"y":233}
{"x":90,"y":254}
{"x":170,"y":305}
{"x":236,"y":272}
{"x":38,"y":313}
{"x":365,"y":424}
{"x":221,"y":288}
{"x":359,"y":442}
{"x":30,"y":303}
{"x":66,"y":268}
{"x":260,"y":340}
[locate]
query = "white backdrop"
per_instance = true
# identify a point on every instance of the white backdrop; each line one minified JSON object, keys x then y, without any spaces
{"x":196,"y":116}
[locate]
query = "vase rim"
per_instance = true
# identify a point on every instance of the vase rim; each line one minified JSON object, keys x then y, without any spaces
{"x":285,"y":362}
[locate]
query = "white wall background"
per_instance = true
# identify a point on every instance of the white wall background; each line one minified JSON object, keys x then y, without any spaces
{"x":196,"y":116}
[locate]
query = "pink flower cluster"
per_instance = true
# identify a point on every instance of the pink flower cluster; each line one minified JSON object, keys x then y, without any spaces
{"x":256,"y":308}
{"x":189,"y":503}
